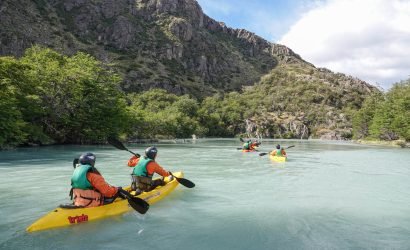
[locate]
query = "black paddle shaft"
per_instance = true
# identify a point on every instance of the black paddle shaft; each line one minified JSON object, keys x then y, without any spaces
{"x":116,"y":143}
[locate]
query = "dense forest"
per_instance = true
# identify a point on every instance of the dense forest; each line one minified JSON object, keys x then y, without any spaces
{"x":385,"y":116}
{"x":50,"y":98}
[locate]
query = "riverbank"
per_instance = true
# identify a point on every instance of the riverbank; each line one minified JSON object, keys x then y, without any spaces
{"x":395,"y":143}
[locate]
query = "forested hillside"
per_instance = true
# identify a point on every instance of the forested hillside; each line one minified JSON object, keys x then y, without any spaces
{"x":93,"y":61}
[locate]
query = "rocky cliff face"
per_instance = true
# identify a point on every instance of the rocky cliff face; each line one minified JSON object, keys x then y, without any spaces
{"x":169,"y":44}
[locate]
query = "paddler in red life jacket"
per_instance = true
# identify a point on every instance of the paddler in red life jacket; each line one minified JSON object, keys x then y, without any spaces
{"x":89,"y":188}
{"x":279,"y":151}
{"x":249,"y":145}
{"x":144,"y":169}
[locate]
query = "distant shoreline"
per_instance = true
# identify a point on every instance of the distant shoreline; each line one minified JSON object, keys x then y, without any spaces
{"x":395,"y":143}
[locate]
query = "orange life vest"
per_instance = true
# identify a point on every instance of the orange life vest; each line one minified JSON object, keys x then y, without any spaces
{"x":87,"y":198}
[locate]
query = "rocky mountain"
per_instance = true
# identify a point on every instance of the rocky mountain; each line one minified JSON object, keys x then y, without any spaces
{"x":169,"y":44}
{"x":173,"y":45}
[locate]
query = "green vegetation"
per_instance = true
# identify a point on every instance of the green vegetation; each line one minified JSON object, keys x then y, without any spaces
{"x":48,"y":98}
{"x":158,"y":114}
{"x":385,"y":117}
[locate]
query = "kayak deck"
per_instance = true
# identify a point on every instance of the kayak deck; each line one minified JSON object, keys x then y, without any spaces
{"x":278,"y":158}
{"x":61,"y":217}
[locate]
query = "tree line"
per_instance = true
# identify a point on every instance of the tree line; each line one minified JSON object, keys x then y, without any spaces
{"x":385,"y":116}
{"x":50,"y":98}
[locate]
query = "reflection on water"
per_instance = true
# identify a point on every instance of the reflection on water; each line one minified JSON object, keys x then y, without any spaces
{"x":329,"y":195}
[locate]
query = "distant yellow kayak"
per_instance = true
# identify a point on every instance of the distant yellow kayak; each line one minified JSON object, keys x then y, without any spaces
{"x":61,"y":217}
{"x":278,"y":158}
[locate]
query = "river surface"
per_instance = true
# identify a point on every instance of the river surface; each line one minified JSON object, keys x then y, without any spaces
{"x":329,"y":195}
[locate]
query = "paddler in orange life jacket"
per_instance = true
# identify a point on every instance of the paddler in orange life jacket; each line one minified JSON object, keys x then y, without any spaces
{"x":279,"y":151}
{"x":249,"y":145}
{"x":144,"y":169}
{"x":89,"y":188}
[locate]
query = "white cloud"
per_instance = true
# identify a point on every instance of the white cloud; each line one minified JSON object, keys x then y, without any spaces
{"x":369,"y":39}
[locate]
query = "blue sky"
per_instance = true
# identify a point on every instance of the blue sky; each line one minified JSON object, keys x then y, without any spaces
{"x":368,"y":39}
{"x":268,"y":19}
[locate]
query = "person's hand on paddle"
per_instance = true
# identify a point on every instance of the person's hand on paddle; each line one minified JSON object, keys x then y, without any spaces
{"x":170,"y":177}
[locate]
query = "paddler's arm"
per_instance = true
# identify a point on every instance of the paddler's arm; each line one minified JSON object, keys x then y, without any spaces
{"x":154,"y":167}
{"x":98,"y":182}
{"x":133,"y":161}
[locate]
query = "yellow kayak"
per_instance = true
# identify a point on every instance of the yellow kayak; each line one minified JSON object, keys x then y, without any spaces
{"x":61,"y":217}
{"x":278,"y":158}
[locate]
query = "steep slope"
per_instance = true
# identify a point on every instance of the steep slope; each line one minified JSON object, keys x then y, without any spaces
{"x":169,"y":44}
{"x":299,"y":101}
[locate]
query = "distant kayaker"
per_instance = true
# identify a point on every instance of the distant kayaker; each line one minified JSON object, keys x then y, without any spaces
{"x":279,"y":151}
{"x":249,"y":145}
{"x":89,"y":188}
{"x":144,"y":169}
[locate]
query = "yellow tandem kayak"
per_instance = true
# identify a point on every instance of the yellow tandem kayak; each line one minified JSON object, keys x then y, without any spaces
{"x":61,"y":217}
{"x":278,"y":158}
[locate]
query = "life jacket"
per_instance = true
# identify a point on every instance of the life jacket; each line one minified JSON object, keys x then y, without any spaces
{"x":141,"y":168}
{"x":79,"y":178}
{"x":279,"y":152}
{"x":253,"y":145}
{"x":140,"y":178}
{"x":247,"y":146}
{"x":82,"y":192}
{"x":87,"y":198}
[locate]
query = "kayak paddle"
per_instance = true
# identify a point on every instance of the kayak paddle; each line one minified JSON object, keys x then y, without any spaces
{"x":116,"y":143}
{"x":138,"y":204}
{"x":262,"y":154}
{"x":187,"y":183}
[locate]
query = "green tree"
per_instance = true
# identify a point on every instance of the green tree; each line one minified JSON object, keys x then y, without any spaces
{"x":12,"y":124}
{"x":161,"y":114}
{"x":392,"y":119}
{"x":79,"y":97}
{"x":363,"y":118}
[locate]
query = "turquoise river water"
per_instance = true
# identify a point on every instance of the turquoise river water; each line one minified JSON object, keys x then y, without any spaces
{"x":329,"y":195}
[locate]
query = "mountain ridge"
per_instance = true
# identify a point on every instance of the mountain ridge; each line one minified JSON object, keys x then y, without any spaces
{"x":173,"y":45}
{"x":169,"y":44}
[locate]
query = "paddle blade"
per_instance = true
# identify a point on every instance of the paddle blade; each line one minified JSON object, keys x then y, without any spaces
{"x":185,"y":182}
{"x":239,"y":148}
{"x":136,"y":203}
{"x":262,"y":154}
{"x":116,"y":143}
{"x":240,"y":138}
{"x":290,"y":146}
